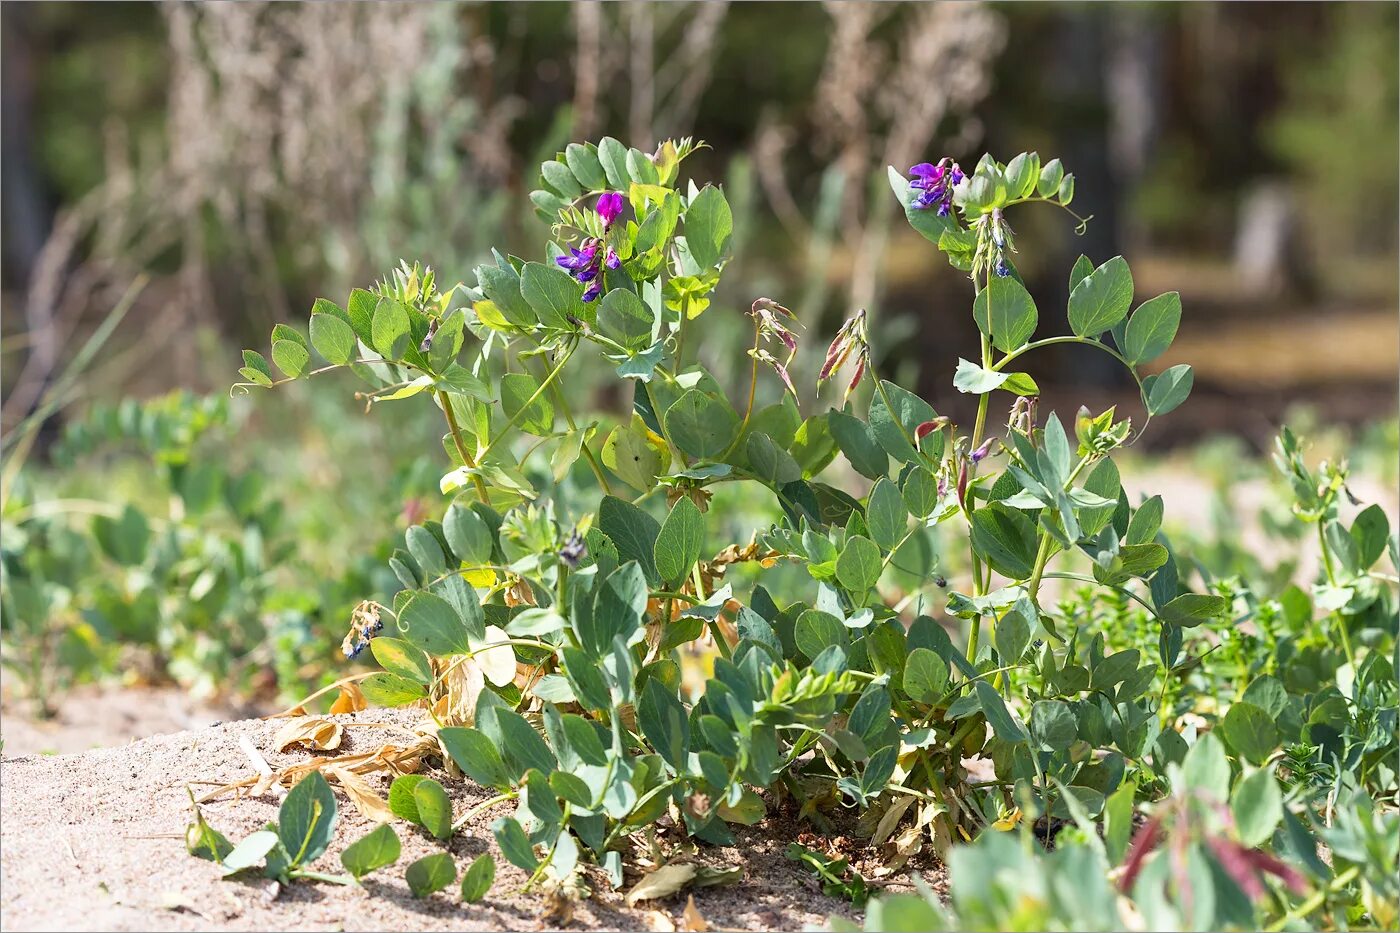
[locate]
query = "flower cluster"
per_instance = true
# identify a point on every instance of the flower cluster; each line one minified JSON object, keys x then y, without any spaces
{"x":770,"y":321}
{"x":850,"y":339}
{"x":994,"y":241}
{"x":935,"y":184}
{"x":365,"y":623}
{"x":587,"y":261}
{"x":573,"y":551}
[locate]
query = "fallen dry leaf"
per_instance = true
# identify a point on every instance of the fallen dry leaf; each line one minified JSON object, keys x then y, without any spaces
{"x":691,"y":918}
{"x":362,"y":795}
{"x":322,"y":735}
{"x":351,"y":700}
{"x":659,"y":922}
{"x":665,"y":881}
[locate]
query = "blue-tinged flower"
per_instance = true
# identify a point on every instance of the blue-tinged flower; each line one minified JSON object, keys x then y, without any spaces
{"x":578,"y":260}
{"x":612,"y":262}
{"x":594,"y":289}
{"x":1002,"y":269}
{"x":609,"y":207}
{"x":935,"y":184}
{"x":573,"y":551}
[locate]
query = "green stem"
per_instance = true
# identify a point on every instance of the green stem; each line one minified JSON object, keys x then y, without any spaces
{"x":753,"y":389}
{"x":484,"y":805}
{"x":461,"y":444}
{"x":534,"y":397}
{"x":1332,"y":581}
{"x":320,"y":876}
{"x":1316,"y":901}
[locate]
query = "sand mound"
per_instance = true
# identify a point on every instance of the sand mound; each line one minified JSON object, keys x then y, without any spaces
{"x":96,"y":841}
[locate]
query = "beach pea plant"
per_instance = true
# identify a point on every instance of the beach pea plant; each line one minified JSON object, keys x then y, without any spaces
{"x":545,"y":614}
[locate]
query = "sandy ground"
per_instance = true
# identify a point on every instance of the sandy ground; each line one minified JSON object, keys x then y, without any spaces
{"x":95,"y":841}
{"x":94,"y":716}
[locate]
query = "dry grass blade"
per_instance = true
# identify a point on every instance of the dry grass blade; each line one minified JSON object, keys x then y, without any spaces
{"x":665,"y":881}
{"x":361,"y":794}
{"x":691,"y":918}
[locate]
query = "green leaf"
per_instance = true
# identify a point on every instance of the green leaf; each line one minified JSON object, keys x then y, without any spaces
{"x":476,"y":755}
{"x":401,"y":802}
{"x":374,"y":850}
{"x":1005,"y":727}
{"x":126,"y":538}
{"x":431,"y":873}
{"x":541,"y":800}
{"x":858,"y":568}
{"x":521,"y":746}
{"x":625,"y":319}
{"x":250,"y":851}
{"x":1118,"y":821}
{"x":1013,"y":634}
{"x":1053,"y":724}
{"x":1051,"y":174}
{"x":583,"y":162}
{"x":516,"y":390}
{"x":701,"y":425}
{"x":467,"y":535}
{"x":434,"y":809}
{"x":633,"y":532}
{"x":360,"y":314}
{"x":1190,"y":609}
{"x":664,"y":723}
{"x":1101,"y":299}
{"x":306,"y":819}
{"x":1152,"y":328}
{"x":1206,"y":768}
{"x":612,"y":155}
{"x":391,"y":689}
{"x":502,"y":287}
{"x":771,"y":463}
{"x":290,"y":357}
{"x":254,"y":360}
{"x":392,"y":330}
{"x":678,"y":544}
{"x":480,"y":874}
{"x":432,"y":624}
{"x":894,"y":429}
{"x":885,"y":515}
{"x":1080,"y":271}
{"x":1257,"y":805}
{"x":920,"y":493}
{"x":514,"y":844}
{"x":553,"y":295}
{"x":402,"y":658}
{"x":1164,"y":391}
{"x":816,"y":631}
{"x":561,"y":178}
{"x":641,"y":169}
{"x":1250,"y":732}
{"x":1022,"y":174}
{"x":857,"y":442}
{"x":1006,"y":538}
{"x":1146,"y":521}
{"x":1005,"y":312}
{"x":709,"y":224}
{"x":1371,"y":532}
{"x":333,"y":338}
{"x":636,"y":454}
{"x":974,"y":380}
{"x":925,"y":676}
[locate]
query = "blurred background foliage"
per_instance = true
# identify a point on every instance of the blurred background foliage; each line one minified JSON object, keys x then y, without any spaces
{"x":209,"y":169}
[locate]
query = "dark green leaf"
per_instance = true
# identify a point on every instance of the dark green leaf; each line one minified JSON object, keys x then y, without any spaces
{"x":679,"y":542}
{"x":701,"y":425}
{"x":333,"y":338}
{"x":1152,"y":328}
{"x":858,"y":568}
{"x":1165,"y":391}
{"x":709,"y":225}
{"x":857,"y":442}
{"x":306,"y":819}
{"x":434,"y":809}
{"x":476,"y":755}
{"x":432,"y":624}
{"x":516,"y":390}
{"x":515,"y":845}
{"x":391,"y":689}
{"x":1005,"y":312}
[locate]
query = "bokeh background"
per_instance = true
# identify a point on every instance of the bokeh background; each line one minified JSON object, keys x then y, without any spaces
{"x":178,"y":177}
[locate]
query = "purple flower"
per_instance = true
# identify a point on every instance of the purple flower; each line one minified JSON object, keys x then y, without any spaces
{"x":578,"y":259}
{"x":1002,"y":269}
{"x":594,"y":289}
{"x":612,"y":262}
{"x":935,"y":184}
{"x":609,"y":206}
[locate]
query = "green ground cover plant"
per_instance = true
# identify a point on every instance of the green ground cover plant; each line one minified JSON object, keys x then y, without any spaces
{"x":547,"y":612}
